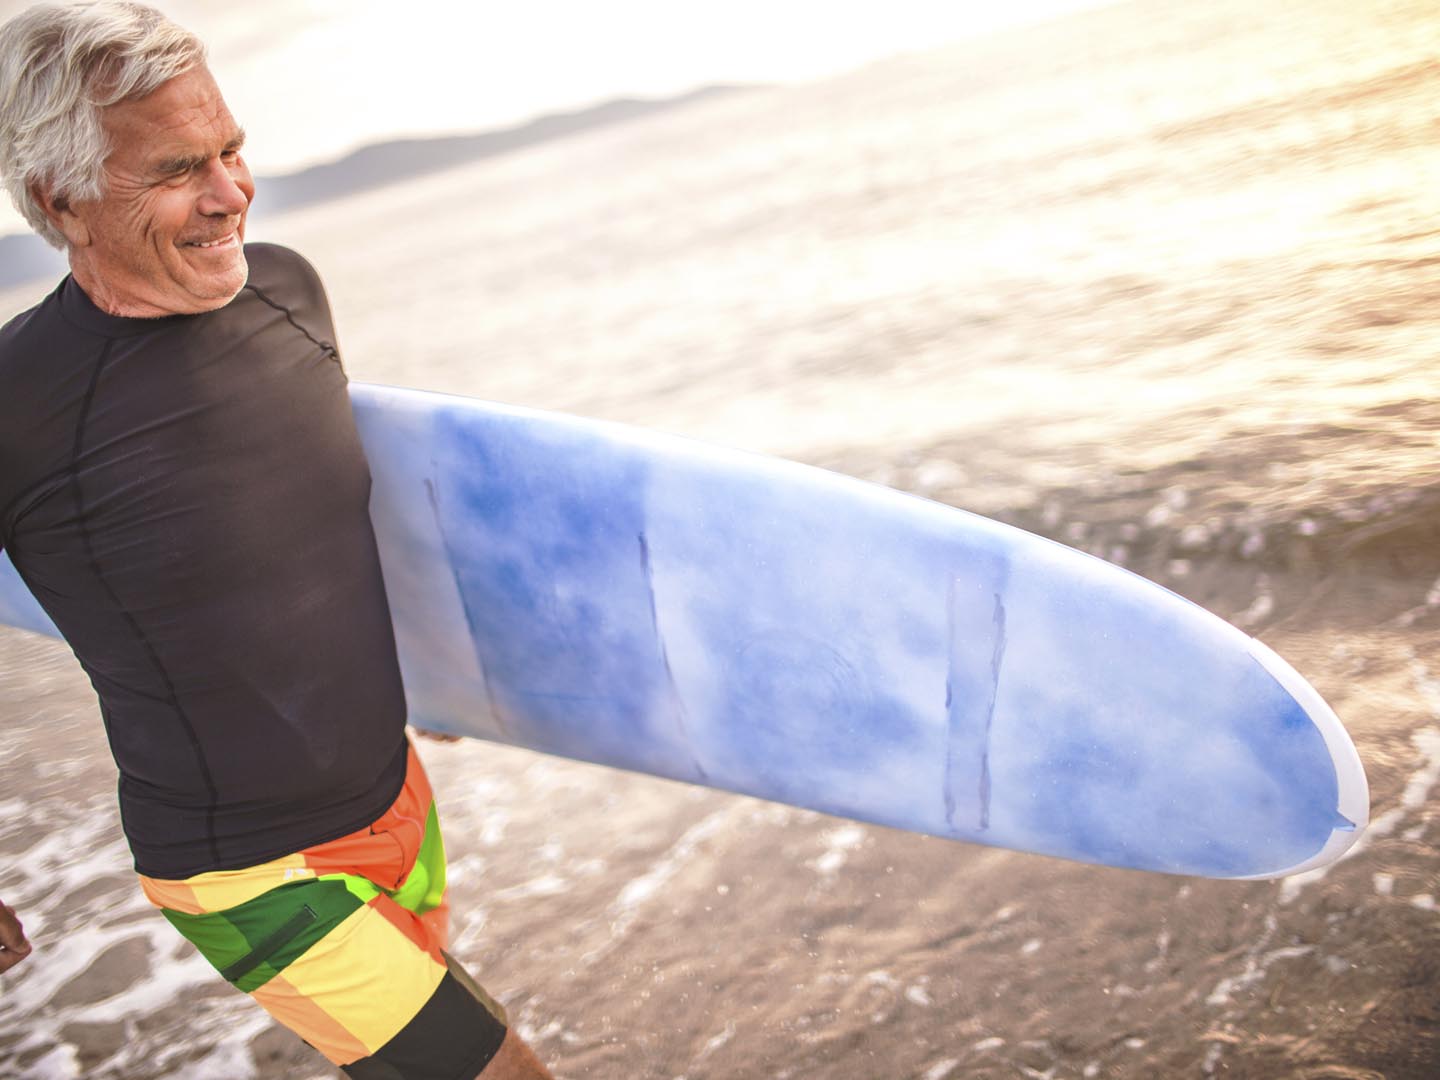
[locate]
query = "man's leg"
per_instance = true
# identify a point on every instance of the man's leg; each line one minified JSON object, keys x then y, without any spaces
{"x":350,"y":975}
{"x":343,"y":944}
{"x":514,"y":1061}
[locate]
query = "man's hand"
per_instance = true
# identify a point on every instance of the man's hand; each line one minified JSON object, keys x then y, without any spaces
{"x":434,"y":736}
{"x":13,"y":945}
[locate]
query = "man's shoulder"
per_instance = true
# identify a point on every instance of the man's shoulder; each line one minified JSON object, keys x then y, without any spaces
{"x":31,"y":329}
{"x":35,"y":347}
{"x":283,"y":279}
{"x":276,"y":268}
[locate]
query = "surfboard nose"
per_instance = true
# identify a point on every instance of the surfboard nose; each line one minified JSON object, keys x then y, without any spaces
{"x":1352,"y":810}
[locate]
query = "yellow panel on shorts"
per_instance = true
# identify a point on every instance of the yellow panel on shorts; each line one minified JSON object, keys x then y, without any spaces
{"x":308,"y":1020}
{"x":220,"y":890}
{"x":365,"y":975}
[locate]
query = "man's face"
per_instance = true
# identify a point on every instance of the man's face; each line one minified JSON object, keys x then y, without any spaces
{"x":166,"y":237}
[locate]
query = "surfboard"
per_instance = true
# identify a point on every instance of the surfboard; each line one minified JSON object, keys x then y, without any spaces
{"x":642,"y":601}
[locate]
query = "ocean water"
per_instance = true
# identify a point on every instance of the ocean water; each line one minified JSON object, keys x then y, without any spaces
{"x":1160,"y":281}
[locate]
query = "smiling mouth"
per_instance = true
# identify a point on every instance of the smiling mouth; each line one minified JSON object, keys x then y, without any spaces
{"x":223,"y":241}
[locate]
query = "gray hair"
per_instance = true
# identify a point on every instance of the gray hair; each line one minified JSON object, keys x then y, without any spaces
{"x":60,"y":65}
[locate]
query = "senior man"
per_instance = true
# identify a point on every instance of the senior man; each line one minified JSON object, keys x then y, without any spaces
{"x":182,"y":487}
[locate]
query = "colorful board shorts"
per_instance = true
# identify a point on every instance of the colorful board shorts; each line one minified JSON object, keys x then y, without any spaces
{"x":343,"y":943}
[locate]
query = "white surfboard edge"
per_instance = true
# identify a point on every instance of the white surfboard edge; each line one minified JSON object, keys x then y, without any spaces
{"x":1352,"y":788}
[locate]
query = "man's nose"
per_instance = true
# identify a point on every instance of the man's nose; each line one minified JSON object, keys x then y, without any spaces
{"x":223,"y":194}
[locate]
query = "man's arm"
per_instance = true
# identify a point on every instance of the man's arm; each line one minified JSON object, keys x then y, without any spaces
{"x":13,"y":945}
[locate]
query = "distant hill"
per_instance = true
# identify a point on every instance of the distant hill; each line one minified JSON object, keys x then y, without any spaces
{"x":26,"y":257}
{"x":404,"y":159}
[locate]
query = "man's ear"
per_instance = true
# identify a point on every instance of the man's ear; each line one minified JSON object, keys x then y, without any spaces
{"x":60,"y":214}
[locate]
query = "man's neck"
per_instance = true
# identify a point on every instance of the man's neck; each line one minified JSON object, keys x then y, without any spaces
{"x":109,"y":300}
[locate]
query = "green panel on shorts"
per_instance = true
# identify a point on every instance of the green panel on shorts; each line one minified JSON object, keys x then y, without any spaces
{"x":218,"y":941}
{"x":280,"y":924}
{"x":424,"y":886}
{"x":363,"y":889}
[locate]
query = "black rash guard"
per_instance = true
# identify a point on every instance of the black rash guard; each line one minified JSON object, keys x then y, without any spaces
{"x":187,"y":498}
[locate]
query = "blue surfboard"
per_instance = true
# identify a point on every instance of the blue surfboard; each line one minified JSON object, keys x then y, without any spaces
{"x":650,"y":603}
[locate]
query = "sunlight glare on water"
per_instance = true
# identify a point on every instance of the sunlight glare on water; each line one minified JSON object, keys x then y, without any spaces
{"x":1103,"y":241}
